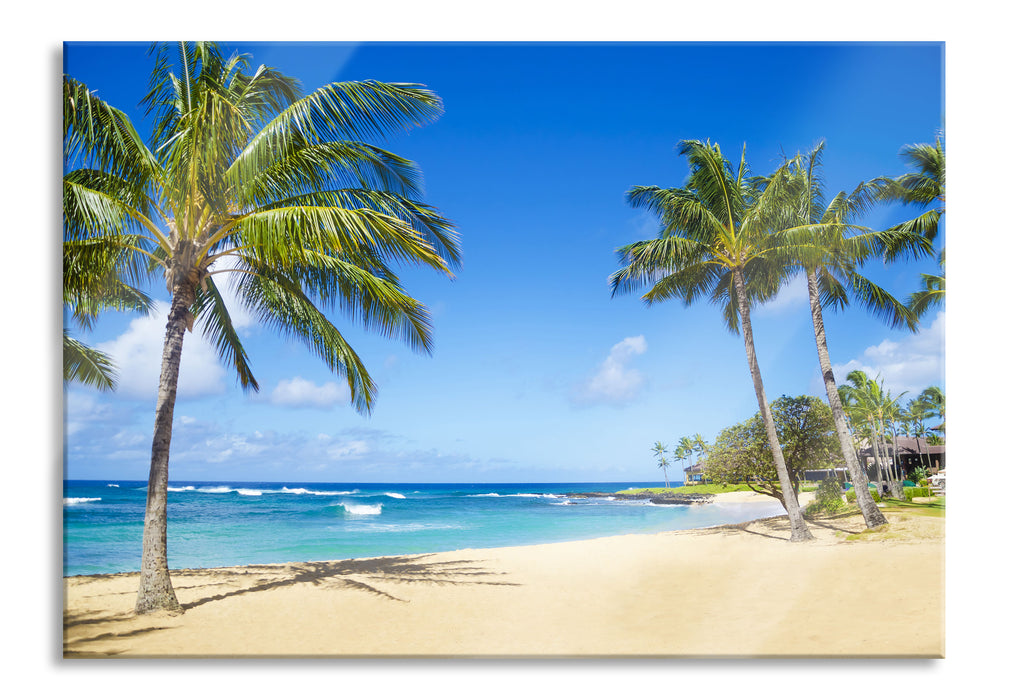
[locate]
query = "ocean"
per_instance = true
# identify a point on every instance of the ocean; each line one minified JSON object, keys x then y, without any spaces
{"x":212,"y":524}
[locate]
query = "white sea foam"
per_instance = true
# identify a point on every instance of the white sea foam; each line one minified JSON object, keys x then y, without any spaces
{"x":249,"y":492}
{"x":309,"y":492}
{"x":390,"y":494}
{"x":513,"y":495}
{"x":112,"y":486}
{"x":178,"y":488}
{"x":361,"y":509}
{"x":215,"y":489}
{"x":76,"y":501}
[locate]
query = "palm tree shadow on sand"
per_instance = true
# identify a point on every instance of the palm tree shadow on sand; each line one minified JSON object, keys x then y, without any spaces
{"x":366,"y":575}
{"x":778,"y":528}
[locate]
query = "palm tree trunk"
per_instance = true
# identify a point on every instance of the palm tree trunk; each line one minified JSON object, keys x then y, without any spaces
{"x":898,"y":479}
{"x":870,"y":512}
{"x":799,"y":530}
{"x":156,"y":592}
{"x":880,"y":475}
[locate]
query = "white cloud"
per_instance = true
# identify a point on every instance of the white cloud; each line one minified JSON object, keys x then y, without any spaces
{"x":301,"y":393}
{"x":137,"y":355}
{"x":614,"y":382}
{"x":793,"y":296}
{"x":909,"y":364}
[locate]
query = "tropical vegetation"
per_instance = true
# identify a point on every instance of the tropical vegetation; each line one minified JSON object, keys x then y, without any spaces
{"x":246,"y":176}
{"x":737,"y":239}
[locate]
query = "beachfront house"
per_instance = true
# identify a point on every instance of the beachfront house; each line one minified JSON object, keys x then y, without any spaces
{"x":911,"y":453}
{"x":694,"y":474}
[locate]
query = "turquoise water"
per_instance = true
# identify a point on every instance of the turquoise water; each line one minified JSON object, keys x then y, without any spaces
{"x":230,"y":524}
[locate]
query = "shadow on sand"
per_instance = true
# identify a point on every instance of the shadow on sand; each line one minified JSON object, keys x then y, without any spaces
{"x":372,"y":576}
{"x":358,"y":574}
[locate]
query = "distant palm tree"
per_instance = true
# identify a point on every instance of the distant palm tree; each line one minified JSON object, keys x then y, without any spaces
{"x":869,"y":406}
{"x":660,"y":451}
{"x":681,"y":455}
{"x":829,"y":250}
{"x":714,"y":243}
{"x":245,"y":175}
{"x":935,"y":402}
{"x":700,"y":447}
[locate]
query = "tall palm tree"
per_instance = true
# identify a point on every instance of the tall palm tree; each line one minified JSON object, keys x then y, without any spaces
{"x":829,"y":250}
{"x":660,"y":451}
{"x":714,"y":242}
{"x":245,"y":175}
{"x":924,"y":187}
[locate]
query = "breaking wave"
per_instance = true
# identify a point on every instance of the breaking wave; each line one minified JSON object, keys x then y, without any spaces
{"x":361,"y":509}
{"x":75,"y":501}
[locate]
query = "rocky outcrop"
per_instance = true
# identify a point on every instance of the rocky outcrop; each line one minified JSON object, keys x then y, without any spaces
{"x":675,"y":499}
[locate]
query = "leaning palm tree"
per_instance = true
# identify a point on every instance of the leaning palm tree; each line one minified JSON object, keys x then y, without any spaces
{"x":829,"y":250}
{"x":714,"y":242}
{"x":244,"y":175}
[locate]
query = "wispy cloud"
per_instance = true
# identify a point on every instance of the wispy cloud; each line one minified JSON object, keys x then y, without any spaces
{"x":909,"y":364}
{"x":614,"y":381}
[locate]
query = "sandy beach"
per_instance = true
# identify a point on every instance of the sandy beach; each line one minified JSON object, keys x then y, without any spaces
{"x":731,"y":591}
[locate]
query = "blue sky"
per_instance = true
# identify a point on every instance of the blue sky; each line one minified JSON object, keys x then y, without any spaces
{"x":537,"y":373}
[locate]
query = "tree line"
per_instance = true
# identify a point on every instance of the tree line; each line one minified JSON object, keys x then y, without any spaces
{"x":809,"y":440}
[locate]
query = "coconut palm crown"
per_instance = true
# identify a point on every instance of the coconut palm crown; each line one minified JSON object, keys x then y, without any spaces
{"x":244,"y":175}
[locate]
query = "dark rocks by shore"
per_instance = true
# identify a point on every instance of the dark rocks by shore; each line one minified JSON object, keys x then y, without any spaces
{"x":679,"y":499}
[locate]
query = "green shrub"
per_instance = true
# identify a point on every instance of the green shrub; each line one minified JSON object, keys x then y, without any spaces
{"x":917,"y":492}
{"x":850,"y":495}
{"x":828,"y":498}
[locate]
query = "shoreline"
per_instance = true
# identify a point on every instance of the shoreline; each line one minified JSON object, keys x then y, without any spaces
{"x":737,"y":590}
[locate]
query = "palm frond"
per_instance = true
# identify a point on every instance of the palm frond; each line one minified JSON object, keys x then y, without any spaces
{"x":85,"y":365}
{"x":283,"y":307}
{"x":212,"y":315}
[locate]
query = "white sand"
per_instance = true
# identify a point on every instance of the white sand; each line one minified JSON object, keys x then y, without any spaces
{"x":730,"y":591}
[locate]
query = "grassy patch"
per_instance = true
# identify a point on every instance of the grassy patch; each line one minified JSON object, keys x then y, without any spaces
{"x":934,"y":510}
{"x":876,"y":534}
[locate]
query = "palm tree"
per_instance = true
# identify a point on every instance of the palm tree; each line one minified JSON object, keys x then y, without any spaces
{"x":660,"y":451}
{"x":925,"y":187}
{"x":681,"y":455}
{"x":700,"y":447}
{"x":830,"y":260}
{"x":101,"y":156}
{"x":935,"y":404}
{"x":869,"y":406}
{"x":245,"y":175}
{"x":714,"y":243}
